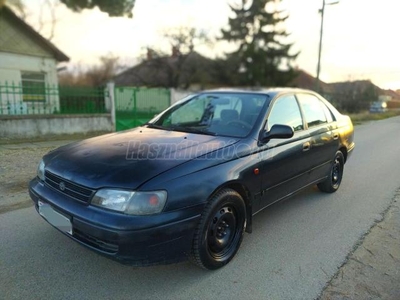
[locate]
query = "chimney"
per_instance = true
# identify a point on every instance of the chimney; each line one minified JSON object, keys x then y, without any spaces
{"x":175,"y":51}
{"x":149,"y":54}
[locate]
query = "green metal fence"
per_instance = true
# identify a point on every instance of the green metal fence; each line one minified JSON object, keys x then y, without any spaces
{"x":77,"y":100}
{"x":133,"y":106}
{"x":136,"y":106}
{"x":28,"y":99}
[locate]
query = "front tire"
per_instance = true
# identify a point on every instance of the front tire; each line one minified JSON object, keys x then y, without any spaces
{"x":220,"y":231}
{"x":332,"y":183}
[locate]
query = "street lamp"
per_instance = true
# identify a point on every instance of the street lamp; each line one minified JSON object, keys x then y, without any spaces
{"x":322,"y":11}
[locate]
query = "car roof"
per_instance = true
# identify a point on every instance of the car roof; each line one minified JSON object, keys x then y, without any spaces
{"x":262,"y":91}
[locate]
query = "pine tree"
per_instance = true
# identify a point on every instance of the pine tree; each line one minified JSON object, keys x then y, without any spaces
{"x":263,"y":57}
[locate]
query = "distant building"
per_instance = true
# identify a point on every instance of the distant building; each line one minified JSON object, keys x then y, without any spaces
{"x":304,"y":80}
{"x":175,"y":71}
{"x":348,"y":95}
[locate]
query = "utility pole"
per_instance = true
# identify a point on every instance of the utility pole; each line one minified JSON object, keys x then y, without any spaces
{"x":322,"y":11}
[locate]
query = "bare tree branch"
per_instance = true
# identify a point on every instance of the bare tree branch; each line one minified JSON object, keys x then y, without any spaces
{"x":53,"y":20}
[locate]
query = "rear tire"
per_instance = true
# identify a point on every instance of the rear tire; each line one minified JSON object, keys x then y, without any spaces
{"x":220,"y":231}
{"x":332,"y":183}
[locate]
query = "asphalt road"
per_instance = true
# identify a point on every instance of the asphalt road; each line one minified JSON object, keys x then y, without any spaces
{"x":295,"y":248}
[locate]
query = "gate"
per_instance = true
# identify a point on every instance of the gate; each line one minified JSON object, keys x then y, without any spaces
{"x":136,"y":106}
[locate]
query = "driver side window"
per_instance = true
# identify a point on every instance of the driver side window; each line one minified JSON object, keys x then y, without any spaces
{"x":285,"y":111}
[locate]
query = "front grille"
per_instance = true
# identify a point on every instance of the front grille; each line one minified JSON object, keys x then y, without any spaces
{"x":69,"y":188}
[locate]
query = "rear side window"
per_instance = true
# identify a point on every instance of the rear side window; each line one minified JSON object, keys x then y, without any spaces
{"x":313,"y":110}
{"x":328,"y":113}
{"x":285,"y":111}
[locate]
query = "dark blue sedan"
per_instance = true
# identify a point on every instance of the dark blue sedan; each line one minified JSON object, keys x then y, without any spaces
{"x":188,"y":183}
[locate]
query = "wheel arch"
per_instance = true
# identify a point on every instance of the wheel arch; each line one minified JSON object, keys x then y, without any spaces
{"x":343,"y":149}
{"x":244,"y":192}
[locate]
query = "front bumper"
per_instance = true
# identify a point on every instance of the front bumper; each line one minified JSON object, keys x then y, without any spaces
{"x":136,"y":240}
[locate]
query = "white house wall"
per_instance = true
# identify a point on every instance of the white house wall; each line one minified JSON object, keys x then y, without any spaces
{"x":11,"y":66}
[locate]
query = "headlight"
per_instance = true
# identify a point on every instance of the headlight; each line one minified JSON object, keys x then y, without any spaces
{"x":40,"y":170}
{"x":132,"y":203}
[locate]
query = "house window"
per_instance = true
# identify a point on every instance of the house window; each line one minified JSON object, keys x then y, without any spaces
{"x":33,"y":86}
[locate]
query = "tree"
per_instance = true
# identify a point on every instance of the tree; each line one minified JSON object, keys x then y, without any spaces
{"x":97,"y":75}
{"x":114,"y":8}
{"x":360,"y":97}
{"x":51,"y":8}
{"x":263,"y":59}
{"x":46,"y":19}
{"x":354,"y":96}
{"x":225,"y":71}
{"x":185,"y":38}
{"x":179,"y":67}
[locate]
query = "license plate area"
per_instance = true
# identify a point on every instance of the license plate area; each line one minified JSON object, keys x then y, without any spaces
{"x":55,"y":218}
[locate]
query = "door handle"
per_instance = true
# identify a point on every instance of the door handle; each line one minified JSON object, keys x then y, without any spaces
{"x":336,"y":136}
{"x":306,"y":146}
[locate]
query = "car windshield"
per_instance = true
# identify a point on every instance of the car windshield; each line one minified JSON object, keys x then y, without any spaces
{"x":227,"y":114}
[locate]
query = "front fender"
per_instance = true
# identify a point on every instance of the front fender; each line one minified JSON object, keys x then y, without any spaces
{"x":196,"y":188}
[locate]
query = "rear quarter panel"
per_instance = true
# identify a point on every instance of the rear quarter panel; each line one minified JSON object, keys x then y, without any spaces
{"x":345,"y":128}
{"x":346,"y":132}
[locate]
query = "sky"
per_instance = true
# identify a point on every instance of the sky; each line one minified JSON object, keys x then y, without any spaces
{"x":360,"y":38}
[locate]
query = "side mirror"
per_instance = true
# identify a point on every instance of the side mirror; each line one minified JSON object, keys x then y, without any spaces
{"x":277,"y":132}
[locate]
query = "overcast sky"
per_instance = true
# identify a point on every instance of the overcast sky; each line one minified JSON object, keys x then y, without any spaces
{"x":361,"y":39}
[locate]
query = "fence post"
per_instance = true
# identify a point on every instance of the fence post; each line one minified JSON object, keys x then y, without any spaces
{"x":172,"y":96}
{"x":111,"y":93}
{"x":135,"y":106}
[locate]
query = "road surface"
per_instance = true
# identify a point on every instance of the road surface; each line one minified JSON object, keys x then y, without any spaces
{"x":295,"y":248}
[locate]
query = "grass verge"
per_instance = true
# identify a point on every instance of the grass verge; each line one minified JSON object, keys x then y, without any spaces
{"x":366,"y":116}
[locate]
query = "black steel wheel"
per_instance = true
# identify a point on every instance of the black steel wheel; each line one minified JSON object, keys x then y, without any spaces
{"x":220,"y":231}
{"x":334,"y":179}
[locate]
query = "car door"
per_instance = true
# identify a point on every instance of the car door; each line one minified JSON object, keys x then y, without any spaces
{"x":324,"y":141}
{"x":282,"y":165}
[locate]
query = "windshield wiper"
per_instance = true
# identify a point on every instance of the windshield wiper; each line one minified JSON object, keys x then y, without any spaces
{"x":180,"y":128}
{"x":192,"y":130}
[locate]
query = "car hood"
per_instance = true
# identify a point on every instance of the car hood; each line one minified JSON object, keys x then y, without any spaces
{"x":130,"y":158}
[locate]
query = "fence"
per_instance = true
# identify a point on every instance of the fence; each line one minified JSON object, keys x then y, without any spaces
{"x":136,"y":106}
{"x":133,"y":106}
{"x":22,"y":99}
